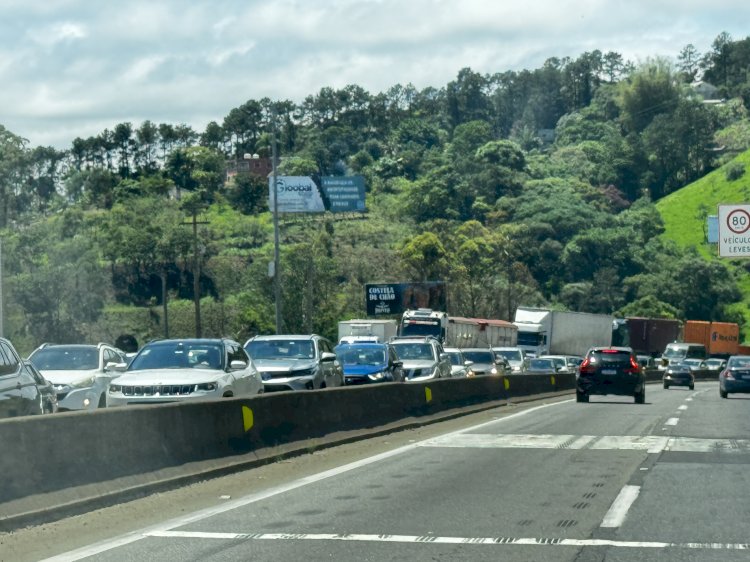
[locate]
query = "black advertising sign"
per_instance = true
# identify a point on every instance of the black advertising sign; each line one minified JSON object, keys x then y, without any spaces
{"x":384,"y":299}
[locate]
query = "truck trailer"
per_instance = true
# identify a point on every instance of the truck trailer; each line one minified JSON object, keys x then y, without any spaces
{"x":480,"y":332}
{"x":555,"y":332}
{"x":647,"y":336}
{"x":719,"y":338}
{"x":378,"y":331}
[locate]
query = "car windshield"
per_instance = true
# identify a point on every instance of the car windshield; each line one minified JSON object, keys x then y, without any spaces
{"x":60,"y":358}
{"x":675,"y":352}
{"x":178,"y":355}
{"x":408,"y":351}
{"x":361,"y":355}
{"x":480,"y":356}
{"x":281,"y":349}
{"x":455,"y":358}
{"x":714,"y":362}
{"x":510,"y":354}
{"x":541,"y":364}
{"x":558,"y":361}
{"x":738,"y":363}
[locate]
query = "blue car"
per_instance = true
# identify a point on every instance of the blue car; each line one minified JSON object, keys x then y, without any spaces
{"x":735,"y":378}
{"x":366,"y":363}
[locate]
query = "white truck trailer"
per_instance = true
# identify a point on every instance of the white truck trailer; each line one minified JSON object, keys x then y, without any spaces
{"x":379,"y":331}
{"x":455,"y":331}
{"x":555,"y":332}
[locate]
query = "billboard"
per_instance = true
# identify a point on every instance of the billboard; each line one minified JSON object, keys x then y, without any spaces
{"x":393,"y":298}
{"x":302,"y":194}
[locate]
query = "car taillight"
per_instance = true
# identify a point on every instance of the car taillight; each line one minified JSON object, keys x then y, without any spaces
{"x":586,"y":367}
{"x":728,"y":375}
{"x":634,"y":367}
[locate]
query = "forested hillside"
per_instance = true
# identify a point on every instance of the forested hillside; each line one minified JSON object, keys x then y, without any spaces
{"x":531,"y":187}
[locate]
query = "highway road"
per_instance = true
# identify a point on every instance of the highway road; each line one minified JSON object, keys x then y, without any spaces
{"x":553,"y":480}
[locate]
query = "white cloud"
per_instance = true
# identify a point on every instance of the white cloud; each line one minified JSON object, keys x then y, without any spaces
{"x":50,"y":35}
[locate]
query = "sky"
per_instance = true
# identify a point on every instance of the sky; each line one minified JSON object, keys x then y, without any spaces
{"x":71,"y":68}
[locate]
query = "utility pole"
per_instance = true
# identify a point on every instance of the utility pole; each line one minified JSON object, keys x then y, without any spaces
{"x":276,"y":260}
{"x":2,"y":306}
{"x":197,"y":275}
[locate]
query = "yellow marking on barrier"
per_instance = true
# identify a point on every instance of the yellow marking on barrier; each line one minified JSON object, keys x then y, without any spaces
{"x":506,"y":383}
{"x":428,"y":394}
{"x":552,"y":378}
{"x":247,"y":418}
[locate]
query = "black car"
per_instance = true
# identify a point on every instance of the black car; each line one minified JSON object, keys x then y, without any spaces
{"x":19,"y":394}
{"x":611,"y":370}
{"x":679,"y":374}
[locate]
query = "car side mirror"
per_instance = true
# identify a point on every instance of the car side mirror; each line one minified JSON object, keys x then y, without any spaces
{"x":468,"y":363}
{"x":445,"y":357}
{"x":237,"y":365}
{"x":327,"y":356}
{"x":398,"y":363}
{"x":116,"y":367}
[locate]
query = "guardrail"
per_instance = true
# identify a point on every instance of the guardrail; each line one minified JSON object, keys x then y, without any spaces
{"x":106,"y":449}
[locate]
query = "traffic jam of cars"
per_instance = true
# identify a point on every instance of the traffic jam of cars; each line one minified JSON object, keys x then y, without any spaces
{"x":424,"y":347}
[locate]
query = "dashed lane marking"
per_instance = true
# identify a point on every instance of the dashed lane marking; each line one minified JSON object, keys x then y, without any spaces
{"x":672,"y":421}
{"x":683,"y":407}
{"x":617,"y":512}
{"x":413,"y":539}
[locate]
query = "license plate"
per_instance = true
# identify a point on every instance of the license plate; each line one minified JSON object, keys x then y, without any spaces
{"x":609,"y":371}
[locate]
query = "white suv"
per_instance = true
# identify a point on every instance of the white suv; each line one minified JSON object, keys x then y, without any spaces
{"x":423,"y":358}
{"x":79,"y":373}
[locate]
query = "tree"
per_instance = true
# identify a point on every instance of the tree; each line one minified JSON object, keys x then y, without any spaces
{"x":688,"y":62}
{"x":426,"y":257}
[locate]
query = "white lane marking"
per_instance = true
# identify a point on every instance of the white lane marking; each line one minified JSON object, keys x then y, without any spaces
{"x":648,"y":443}
{"x":128,"y":538}
{"x":429,"y":539}
{"x":672,"y":421}
{"x":683,"y":407}
{"x":618,"y":511}
{"x":688,"y":399}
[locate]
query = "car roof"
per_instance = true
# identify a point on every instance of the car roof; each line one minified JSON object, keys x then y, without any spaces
{"x":363,"y":344}
{"x":477,"y":349}
{"x":613,"y":348}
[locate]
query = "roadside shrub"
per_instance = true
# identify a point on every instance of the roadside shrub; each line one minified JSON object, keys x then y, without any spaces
{"x":734,"y":171}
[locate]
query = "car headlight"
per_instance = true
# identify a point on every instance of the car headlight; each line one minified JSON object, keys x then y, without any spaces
{"x":376,"y":376}
{"x":115,"y":388}
{"x":493,"y":371}
{"x":63,"y":388}
{"x":84,"y":383}
{"x":302,"y":373}
{"x":206,"y":387}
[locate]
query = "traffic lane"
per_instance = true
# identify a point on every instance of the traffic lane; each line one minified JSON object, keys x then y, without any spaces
{"x":460,"y":512}
{"x":602,"y":416}
{"x":698,"y":488}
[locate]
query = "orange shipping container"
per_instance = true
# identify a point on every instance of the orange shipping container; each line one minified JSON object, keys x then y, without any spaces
{"x":697,"y":331}
{"x":725,"y":338}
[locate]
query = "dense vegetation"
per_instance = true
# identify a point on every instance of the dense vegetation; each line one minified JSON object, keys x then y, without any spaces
{"x":461,"y":187}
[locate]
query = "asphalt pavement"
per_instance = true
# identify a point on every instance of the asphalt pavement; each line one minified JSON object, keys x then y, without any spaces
{"x":608,"y":480}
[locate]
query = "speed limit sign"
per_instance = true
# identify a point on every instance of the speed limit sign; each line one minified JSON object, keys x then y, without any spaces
{"x":734,"y":231}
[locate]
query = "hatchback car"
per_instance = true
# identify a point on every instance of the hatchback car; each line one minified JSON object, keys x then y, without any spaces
{"x":423,"y":358}
{"x":716,"y":364}
{"x":561,"y":363}
{"x":80,"y":373}
{"x":679,"y":374}
{"x":186,"y":369}
{"x":735,"y":378}
{"x":460,"y":366}
{"x":295,"y":362}
{"x":365,"y":363}
{"x":696,"y":364}
{"x":19,"y":394}
{"x":484,"y":361}
{"x":611,"y":370}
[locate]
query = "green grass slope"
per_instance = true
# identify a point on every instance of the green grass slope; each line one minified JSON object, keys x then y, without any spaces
{"x":684,"y":213}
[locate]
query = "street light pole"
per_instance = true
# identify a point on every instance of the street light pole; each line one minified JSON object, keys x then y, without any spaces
{"x":276,"y":260}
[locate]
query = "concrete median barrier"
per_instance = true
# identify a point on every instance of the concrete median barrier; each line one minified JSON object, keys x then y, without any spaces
{"x":134,"y":445}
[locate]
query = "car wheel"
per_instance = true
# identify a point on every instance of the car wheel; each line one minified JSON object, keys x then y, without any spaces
{"x":666,"y":386}
{"x":102,"y":401}
{"x":723,"y":393}
{"x":581,"y":396}
{"x":691,"y":387}
{"x":640,"y":397}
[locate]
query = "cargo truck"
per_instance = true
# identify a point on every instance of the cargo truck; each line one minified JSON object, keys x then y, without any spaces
{"x":720,"y":338}
{"x":647,"y":336}
{"x":555,"y":332}
{"x":454,"y":331}
{"x":377,"y":331}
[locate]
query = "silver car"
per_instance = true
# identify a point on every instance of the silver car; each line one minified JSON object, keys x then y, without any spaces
{"x":460,"y":366}
{"x":295,"y":362}
{"x":423,"y":358}
{"x":80,"y":374}
{"x":189,"y":369}
{"x":515,"y":356}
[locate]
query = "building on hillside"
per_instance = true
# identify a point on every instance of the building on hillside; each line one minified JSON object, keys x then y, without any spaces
{"x":708,"y":92}
{"x":251,"y":164}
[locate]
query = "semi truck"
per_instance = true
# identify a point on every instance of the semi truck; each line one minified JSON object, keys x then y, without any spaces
{"x":719,"y":338}
{"x":647,"y":336}
{"x":367,"y":330}
{"x":455,"y":331}
{"x":542,"y":331}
